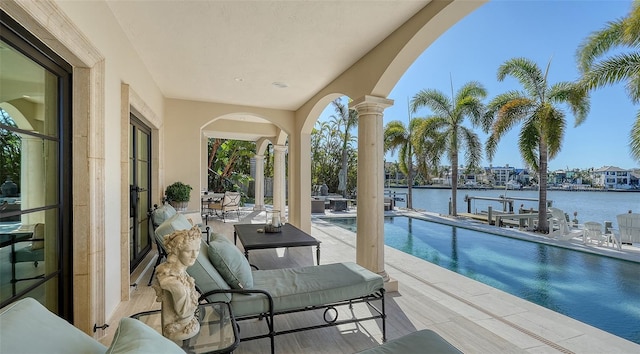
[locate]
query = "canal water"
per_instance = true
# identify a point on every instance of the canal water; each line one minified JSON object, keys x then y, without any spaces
{"x":591,"y":206}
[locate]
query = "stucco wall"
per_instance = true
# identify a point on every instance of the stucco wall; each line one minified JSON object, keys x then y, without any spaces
{"x":122,"y":64}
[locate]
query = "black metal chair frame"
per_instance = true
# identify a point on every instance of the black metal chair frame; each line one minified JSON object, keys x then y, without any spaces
{"x":328,"y":321}
{"x":221,"y":212}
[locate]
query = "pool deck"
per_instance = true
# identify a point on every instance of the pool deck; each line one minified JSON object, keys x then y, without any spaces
{"x":474,"y":317}
{"x":530,"y":327}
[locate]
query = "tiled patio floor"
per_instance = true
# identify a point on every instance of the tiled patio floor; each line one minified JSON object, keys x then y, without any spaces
{"x":472,"y":316}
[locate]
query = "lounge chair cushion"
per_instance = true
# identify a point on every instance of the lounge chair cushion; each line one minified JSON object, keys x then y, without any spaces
{"x":134,"y":337}
{"x":171,"y":225}
{"x":207,"y":277}
{"x":230,"y":263}
{"x":163,"y":213}
{"x":26,"y":326}
{"x":294,"y":288}
{"x":424,"y":341}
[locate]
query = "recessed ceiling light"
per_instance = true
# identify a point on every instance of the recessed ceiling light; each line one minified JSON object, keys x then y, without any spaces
{"x":279,"y":84}
{"x":239,"y":79}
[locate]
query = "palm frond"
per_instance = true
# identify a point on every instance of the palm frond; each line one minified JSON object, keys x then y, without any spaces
{"x":472,"y":89}
{"x":435,"y":100}
{"x":632,"y":26}
{"x":553,"y":125}
{"x":472,"y":146}
{"x":633,"y":88}
{"x":528,"y":143}
{"x":575,"y":96}
{"x":598,"y":43}
{"x":527,"y":73}
{"x":634,"y":138}
{"x":611,"y":70}
{"x":403,"y":157}
{"x":395,"y":135}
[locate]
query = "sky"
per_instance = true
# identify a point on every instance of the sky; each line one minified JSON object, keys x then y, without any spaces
{"x":542,"y":31}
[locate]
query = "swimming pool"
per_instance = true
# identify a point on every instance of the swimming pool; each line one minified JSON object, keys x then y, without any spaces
{"x":600,"y":291}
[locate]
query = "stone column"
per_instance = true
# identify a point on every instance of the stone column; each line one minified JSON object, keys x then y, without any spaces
{"x":279,"y":177}
{"x":370,"y":189}
{"x":259,"y":183}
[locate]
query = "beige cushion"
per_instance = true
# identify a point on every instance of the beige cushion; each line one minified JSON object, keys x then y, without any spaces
{"x":38,"y":233}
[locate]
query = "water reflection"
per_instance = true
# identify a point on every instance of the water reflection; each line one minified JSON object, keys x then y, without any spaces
{"x":454,"y":249}
{"x":542,"y":295}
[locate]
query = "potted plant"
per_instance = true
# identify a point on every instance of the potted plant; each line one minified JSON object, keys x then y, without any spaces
{"x":178,"y":195}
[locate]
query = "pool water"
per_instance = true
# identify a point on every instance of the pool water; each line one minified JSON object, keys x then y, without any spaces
{"x":600,"y":291}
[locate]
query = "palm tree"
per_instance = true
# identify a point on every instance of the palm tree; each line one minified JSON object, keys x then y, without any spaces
{"x":597,"y":71}
{"x":543,"y":123}
{"x":346,"y":119}
{"x":397,"y":136}
{"x":446,"y":125}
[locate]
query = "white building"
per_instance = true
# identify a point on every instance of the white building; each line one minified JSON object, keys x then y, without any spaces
{"x":611,"y":177}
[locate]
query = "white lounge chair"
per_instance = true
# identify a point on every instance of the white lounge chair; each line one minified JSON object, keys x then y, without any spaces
{"x":629,"y":226}
{"x":559,"y":226}
{"x":593,"y":232}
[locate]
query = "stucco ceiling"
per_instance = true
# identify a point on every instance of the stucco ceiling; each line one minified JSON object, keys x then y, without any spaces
{"x":244,"y":52}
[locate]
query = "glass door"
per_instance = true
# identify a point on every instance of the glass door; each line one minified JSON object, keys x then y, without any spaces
{"x":139,"y":187}
{"x":35,"y":183}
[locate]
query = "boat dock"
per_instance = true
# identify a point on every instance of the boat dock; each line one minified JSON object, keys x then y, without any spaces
{"x":524,"y":219}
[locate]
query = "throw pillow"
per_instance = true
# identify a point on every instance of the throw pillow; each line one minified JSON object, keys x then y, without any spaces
{"x":163,"y":213}
{"x":230,"y":263}
{"x":173,"y":224}
{"x":135,"y":337}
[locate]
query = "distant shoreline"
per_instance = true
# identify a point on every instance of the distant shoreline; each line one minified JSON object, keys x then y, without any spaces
{"x":525,"y":188}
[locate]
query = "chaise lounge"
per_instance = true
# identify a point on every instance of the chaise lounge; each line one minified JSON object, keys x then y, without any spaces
{"x":222,"y":273}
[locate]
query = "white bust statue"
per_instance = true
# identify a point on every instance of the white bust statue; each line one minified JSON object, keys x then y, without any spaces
{"x":175,"y":288}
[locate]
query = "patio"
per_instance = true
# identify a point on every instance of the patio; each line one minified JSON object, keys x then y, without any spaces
{"x":472,"y":316}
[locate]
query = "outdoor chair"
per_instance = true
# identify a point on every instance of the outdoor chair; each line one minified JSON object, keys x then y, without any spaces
{"x":31,"y":253}
{"x":559,"y":226}
{"x":156,"y":217}
{"x":593,"y":232}
{"x":230,"y":202}
{"x":629,"y":226}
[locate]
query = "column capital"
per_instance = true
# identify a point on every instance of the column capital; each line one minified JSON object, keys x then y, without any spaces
{"x":258,"y":157}
{"x":370,"y":103}
{"x":280,"y":148}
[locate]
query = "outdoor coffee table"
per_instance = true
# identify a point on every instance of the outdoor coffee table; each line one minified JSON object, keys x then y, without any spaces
{"x":289,"y":236}
{"x":218,"y":330}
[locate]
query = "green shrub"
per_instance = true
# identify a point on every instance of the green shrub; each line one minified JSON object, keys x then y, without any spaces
{"x":178,"y":192}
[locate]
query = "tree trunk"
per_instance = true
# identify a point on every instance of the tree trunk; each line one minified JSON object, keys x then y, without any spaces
{"x":344,"y":169}
{"x":214,"y":150}
{"x":454,"y":183}
{"x":409,"y":181}
{"x":543,"y":223}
